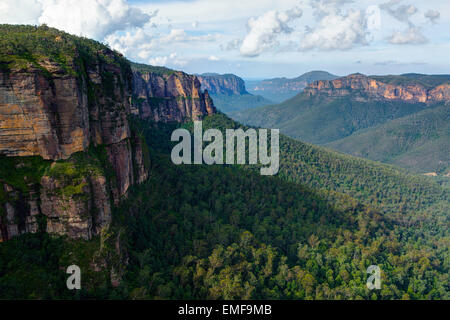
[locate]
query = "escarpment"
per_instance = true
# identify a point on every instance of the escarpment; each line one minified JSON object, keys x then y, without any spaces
{"x":68,"y":148}
{"x":373,"y":88}
{"x":68,"y":152}
{"x":227,"y":84}
{"x":48,"y":111}
{"x":165,"y":95}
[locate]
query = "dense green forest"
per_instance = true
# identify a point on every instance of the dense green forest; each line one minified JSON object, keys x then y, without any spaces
{"x":283,"y":240}
{"x":225,"y":232}
{"x":425,"y":80}
{"x":419,"y":142}
{"x":322,"y":120}
{"x":414,"y":136}
{"x":144,"y":68}
{"x":390,"y":188}
{"x":22,"y":45}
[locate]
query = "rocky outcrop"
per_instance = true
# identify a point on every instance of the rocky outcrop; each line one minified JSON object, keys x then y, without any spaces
{"x":228,"y":84}
{"x":55,"y":114}
{"x":19,"y":211}
{"x":171,"y":96}
{"x":229,"y":92}
{"x":367,"y":88}
{"x":69,"y":106}
{"x":79,"y":216}
{"x":54,"y":111}
{"x":52,"y":115}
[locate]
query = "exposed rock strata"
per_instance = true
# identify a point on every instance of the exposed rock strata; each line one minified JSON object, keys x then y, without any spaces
{"x":175,"y":96}
{"x":368,"y":88}
{"x":70,"y":104}
{"x":227,"y":84}
{"x":54,"y":114}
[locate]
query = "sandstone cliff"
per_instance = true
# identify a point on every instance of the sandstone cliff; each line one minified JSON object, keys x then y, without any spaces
{"x":166,"y":95}
{"x":54,"y":110}
{"x":68,"y":150}
{"x":370,"y":88}
{"x":229,"y":93}
{"x":227,"y":84}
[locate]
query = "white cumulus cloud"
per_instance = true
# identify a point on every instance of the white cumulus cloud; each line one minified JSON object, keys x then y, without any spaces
{"x":158,"y":61}
{"x":324,"y":7}
{"x":131,"y":42}
{"x":337,"y":31}
{"x":139,"y":45}
{"x":231,"y":45}
{"x":403,"y":13}
{"x":432,"y":15}
{"x":92,"y":18}
{"x":171,"y":59}
{"x":412,"y":35}
{"x":179,"y":35}
{"x":263,"y":31}
{"x":213,"y":58}
{"x":20,"y":11}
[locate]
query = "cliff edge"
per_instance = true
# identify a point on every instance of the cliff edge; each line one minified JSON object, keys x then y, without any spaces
{"x":69,"y":150}
{"x":389,"y":88}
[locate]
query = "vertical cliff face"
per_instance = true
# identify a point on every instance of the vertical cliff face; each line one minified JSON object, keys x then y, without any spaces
{"x":48,"y":112}
{"x":68,"y":150}
{"x":228,"y":84}
{"x":70,"y":103}
{"x":165,"y":95}
{"x":388,"y":88}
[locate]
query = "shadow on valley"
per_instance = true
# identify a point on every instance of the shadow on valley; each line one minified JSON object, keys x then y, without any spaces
{"x":226,"y":232}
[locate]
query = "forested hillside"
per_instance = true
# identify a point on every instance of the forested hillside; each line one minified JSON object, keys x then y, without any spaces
{"x":400,"y":120}
{"x":322,"y":120}
{"x":284,"y":239}
{"x":108,"y":198}
{"x":227,"y":232}
{"x":419,"y":142}
{"x":391,"y":188}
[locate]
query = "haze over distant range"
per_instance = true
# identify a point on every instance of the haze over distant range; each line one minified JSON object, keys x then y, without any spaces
{"x":402,"y":120}
{"x":258,"y":39}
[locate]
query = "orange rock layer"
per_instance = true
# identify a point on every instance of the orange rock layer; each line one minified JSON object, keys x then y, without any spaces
{"x":170,"y":97}
{"x":55,"y":114}
{"x":369,"y":88}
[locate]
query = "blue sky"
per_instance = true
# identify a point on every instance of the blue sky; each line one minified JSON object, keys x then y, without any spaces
{"x":258,"y":39}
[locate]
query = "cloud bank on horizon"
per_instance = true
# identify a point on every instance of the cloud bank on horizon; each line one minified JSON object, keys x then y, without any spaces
{"x":257,"y":38}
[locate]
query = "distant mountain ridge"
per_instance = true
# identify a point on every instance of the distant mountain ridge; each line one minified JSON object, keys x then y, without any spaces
{"x":418,"y":78}
{"x":228,"y":84}
{"x":280,"y":89}
{"x":229,"y":93}
{"x":412,"y":88}
{"x":331,"y":110}
{"x":70,"y":149}
{"x":108,"y":198}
